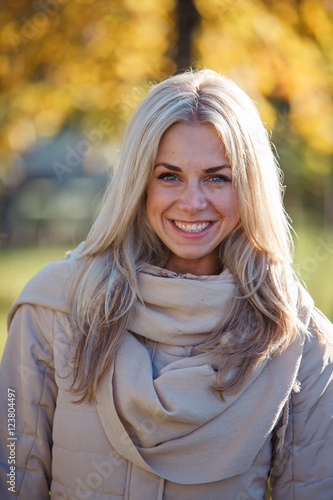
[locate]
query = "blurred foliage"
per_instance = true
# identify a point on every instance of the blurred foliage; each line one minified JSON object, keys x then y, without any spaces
{"x":77,"y":61}
{"x":69,"y":64}
{"x":281,"y":53}
{"x":60,"y":58}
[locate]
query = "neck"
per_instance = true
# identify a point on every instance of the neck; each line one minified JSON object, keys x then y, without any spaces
{"x":196,"y":267}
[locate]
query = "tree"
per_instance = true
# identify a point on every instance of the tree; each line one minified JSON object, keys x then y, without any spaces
{"x":187,"y":19}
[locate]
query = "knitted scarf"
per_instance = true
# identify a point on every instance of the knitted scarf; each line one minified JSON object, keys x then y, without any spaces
{"x":175,"y":425}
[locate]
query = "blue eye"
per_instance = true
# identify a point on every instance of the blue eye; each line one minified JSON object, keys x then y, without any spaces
{"x":167,"y":176}
{"x":219,"y":178}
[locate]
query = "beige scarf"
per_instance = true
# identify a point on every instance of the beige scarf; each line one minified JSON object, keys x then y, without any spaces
{"x":175,"y":425}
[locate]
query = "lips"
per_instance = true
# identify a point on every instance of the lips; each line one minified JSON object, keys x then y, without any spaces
{"x":191,"y":227}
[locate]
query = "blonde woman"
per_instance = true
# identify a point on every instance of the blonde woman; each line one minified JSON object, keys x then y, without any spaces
{"x":173,"y":354}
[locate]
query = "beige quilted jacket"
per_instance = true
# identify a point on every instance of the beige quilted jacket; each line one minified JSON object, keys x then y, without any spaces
{"x":61,"y":449}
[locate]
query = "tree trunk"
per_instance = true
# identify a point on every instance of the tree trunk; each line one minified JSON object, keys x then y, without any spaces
{"x":187,"y":18}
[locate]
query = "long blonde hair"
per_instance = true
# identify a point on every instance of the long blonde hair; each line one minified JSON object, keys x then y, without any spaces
{"x":262,"y":319}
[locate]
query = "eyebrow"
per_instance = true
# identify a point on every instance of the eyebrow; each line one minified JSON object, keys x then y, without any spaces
{"x":210,"y":170}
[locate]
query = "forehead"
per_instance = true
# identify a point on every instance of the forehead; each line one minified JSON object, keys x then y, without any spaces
{"x":195,"y":141}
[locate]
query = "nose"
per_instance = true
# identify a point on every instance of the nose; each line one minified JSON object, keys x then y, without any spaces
{"x":192,"y":200}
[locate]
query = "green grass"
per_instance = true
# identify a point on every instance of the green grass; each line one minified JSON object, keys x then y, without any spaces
{"x":314,"y":263}
{"x":17,"y":266}
{"x":313,"y":259}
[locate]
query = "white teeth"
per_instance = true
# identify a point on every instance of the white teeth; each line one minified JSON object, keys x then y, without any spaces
{"x":191,"y":228}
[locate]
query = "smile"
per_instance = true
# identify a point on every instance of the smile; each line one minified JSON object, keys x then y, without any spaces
{"x":191,"y":228}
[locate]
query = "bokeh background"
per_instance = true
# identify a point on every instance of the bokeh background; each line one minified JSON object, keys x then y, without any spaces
{"x":72,"y":71}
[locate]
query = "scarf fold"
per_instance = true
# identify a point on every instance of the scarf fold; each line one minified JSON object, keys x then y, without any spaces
{"x":174,"y":424}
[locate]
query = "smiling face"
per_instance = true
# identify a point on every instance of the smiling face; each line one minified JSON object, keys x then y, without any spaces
{"x":191,"y":204}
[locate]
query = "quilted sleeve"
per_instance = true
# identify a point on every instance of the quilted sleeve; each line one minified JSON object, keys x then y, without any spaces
{"x":27,"y":400}
{"x":303,"y":470}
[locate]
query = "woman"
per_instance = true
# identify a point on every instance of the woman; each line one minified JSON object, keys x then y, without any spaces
{"x":173,"y":354}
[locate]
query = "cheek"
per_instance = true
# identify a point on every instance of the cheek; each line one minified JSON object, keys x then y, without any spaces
{"x":227,"y":206}
{"x":159,"y":199}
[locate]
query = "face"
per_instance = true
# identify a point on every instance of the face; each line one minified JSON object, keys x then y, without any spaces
{"x":191,"y":204}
